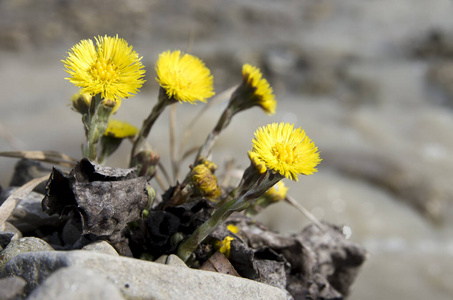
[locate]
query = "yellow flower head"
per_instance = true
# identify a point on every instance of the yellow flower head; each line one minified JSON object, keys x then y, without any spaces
{"x":277,"y":192}
{"x":286,"y":150}
{"x":184,"y":77}
{"x":233,"y":228}
{"x":111,"y":68}
{"x":262,"y":91}
{"x":209,"y":164}
{"x":205,"y":181}
{"x":120,"y":129}
{"x":225,"y":246}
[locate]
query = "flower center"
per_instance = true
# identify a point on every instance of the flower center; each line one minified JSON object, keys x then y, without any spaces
{"x":104,"y":70}
{"x":284,"y":153}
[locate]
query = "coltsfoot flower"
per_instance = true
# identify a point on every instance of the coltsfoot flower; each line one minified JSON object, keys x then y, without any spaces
{"x":285,"y":150}
{"x":261,"y":91}
{"x":184,"y":77}
{"x":111,"y":68}
{"x":205,"y":181}
{"x":225,"y":246}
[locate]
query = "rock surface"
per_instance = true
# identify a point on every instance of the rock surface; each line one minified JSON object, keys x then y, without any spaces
{"x":23,"y":245}
{"x":28,"y":215}
{"x":138,"y":279}
{"x":11,"y":287}
{"x":74,"y":283}
{"x":101,"y":247}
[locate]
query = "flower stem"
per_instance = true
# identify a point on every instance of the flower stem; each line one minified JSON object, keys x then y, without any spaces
{"x":223,"y":122}
{"x":246,"y":198}
{"x":186,"y":249}
{"x":148,"y":123}
{"x":99,"y":114}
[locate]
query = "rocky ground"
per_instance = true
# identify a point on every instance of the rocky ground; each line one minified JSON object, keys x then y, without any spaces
{"x":370,"y":82}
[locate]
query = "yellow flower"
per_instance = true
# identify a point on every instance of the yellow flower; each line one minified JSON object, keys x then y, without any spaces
{"x":120,"y":129}
{"x":205,"y":181}
{"x":262,"y":91}
{"x":111,"y":68}
{"x":277,"y":192}
{"x":286,"y":150}
{"x":184,"y":77}
{"x":233,"y":228}
{"x":225,"y":246}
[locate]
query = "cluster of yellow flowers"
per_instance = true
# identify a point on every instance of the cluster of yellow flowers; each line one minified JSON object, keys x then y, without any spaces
{"x":108,"y":70}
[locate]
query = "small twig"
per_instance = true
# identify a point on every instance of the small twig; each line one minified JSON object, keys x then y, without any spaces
{"x":227,"y":173}
{"x":190,"y":41}
{"x":44,"y":156}
{"x":14,"y":199}
{"x":164,"y":172}
{"x":189,"y":152}
{"x":304,"y":211}
{"x":8,"y":137}
{"x":160,"y":182}
{"x":174,"y":162}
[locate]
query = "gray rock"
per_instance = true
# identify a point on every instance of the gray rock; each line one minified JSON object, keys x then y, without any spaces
{"x":10,"y":233}
{"x":174,"y":260}
{"x":26,"y":244}
{"x":11,"y":287}
{"x":171,"y":260}
{"x":74,"y":283}
{"x":101,"y":247}
{"x":72,"y":231}
{"x":138,"y":279}
{"x":28,"y":215}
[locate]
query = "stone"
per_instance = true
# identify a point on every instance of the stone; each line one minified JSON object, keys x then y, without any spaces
{"x":174,"y":260}
{"x":74,"y":283}
{"x":71,"y":233}
{"x":26,"y":244}
{"x":138,"y":279}
{"x":11,"y":287}
{"x":101,"y":247}
{"x":10,"y":233}
{"x":171,"y":260}
{"x":28,"y":214}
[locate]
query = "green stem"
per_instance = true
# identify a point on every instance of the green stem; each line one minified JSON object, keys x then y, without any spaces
{"x":96,"y":125}
{"x":220,"y":215}
{"x":186,"y":249}
{"x":148,"y":123}
{"x":223,"y":122}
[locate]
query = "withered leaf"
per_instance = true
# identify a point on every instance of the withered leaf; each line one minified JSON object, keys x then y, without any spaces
{"x":105,"y":198}
{"x":220,"y":264}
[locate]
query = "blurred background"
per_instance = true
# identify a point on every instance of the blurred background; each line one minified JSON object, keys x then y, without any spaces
{"x":371,"y":82}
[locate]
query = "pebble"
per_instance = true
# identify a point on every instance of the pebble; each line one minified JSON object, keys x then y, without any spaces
{"x":10,"y":233}
{"x":101,"y":247}
{"x":28,"y":214}
{"x":11,"y":287}
{"x":26,"y":244}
